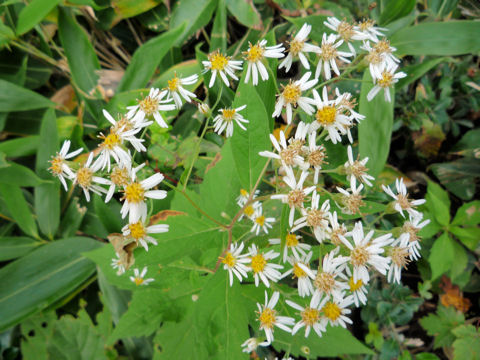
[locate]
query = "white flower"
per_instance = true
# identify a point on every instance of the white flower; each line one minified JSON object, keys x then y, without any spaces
{"x":226,"y":118}
{"x":314,"y":156}
{"x":139,"y":232}
{"x":244,"y":196}
{"x":288,"y":155}
{"x":346,"y":31}
{"x":223,"y":65}
{"x":292,"y":95}
{"x":366,"y":252}
{"x":399,"y":253}
{"x":268,"y":318}
{"x":411,"y":228}
{"x":388,"y":79}
{"x":329,"y":115}
{"x":59,"y":167}
{"x":352,"y":202}
{"x":261,"y":222}
{"x":204,"y":108}
{"x":118,"y":264}
{"x":336,"y":229}
{"x":292,"y":242}
{"x":357,"y":169}
{"x":296,"y":197}
{"x":348,"y":103}
{"x":261,"y":267}
{"x":368,"y":28}
{"x":176,"y":90}
{"x":234,"y":261}
{"x":329,"y":55}
{"x":315,"y":217}
{"x":357,"y":288}
{"x":86,"y":179}
{"x":138,"y":279}
{"x":150,"y":106}
{"x":301,"y":270}
{"x":311,"y":317}
{"x":250,"y":345}
{"x":120,"y":177}
{"x":250,"y":209}
{"x":402,"y":202}
{"x":298,"y":47}
{"x":335,"y":312}
{"x":255,"y":56}
{"x":135,"y":193}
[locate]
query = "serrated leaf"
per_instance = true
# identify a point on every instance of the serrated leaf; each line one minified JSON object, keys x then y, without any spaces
{"x":440,"y":325}
{"x":467,"y":344}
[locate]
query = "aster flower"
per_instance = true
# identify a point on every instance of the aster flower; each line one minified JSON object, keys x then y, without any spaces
{"x":368,"y":28}
{"x":297,"y":142}
{"x":411,"y":228}
{"x":357,"y":288}
{"x":260,"y":222}
{"x":151,"y":106}
{"x":120,"y":177}
{"x":234,"y":261}
{"x":365,"y":252}
{"x":357,"y":168}
{"x":346,"y":31}
{"x":336,"y":229}
{"x":292,"y":241}
{"x":311,"y":316}
{"x":347,"y":104}
{"x":315,"y":217}
{"x":329,"y":55}
{"x":223,"y":65}
{"x":117,"y":263}
{"x":226,"y":118}
{"x":288,"y":155}
{"x":176,"y":91}
{"x":402,"y":202}
{"x":86,"y":179}
{"x":261,"y":267}
{"x":138,"y":279}
{"x":387,"y":80}
{"x":268,"y":318}
{"x":314,"y":156}
{"x":250,"y":345}
{"x":335,"y":312}
{"x":299,"y":46}
{"x":250,"y":210}
{"x":59,"y":167}
{"x":292,"y":95}
{"x":244,"y":196}
{"x":301,"y":270}
{"x":351,"y":199}
{"x":399,"y":254}
{"x":255,"y":56}
{"x":138,"y":232}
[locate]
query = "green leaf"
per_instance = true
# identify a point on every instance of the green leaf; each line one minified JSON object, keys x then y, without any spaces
{"x":247,"y":144}
{"x":438,"y":202}
{"x":72,"y":218}
{"x":82,"y":60}
{"x":33,"y":13}
{"x":44,"y":276}
{"x":37,"y":331}
{"x":442,"y":255}
{"x":469,"y":236}
{"x":109,"y":218}
{"x":23,"y":146}
{"x":244,"y":11}
{"x":195,"y":13}
{"x":130,"y":8}
{"x":15,"y":174}
{"x":143,"y":64}
{"x":218,"y":37}
{"x":438,"y":38}
{"x":17,"y":98}
{"x":416,"y":71}
{"x":375,"y":131}
{"x":6,"y":35}
{"x":460,"y":263}
{"x":17,"y":205}
{"x":458,"y":176}
{"x":396,"y":9}
{"x":440,"y":325}
{"x":14,"y":247}
{"x":467,"y":344}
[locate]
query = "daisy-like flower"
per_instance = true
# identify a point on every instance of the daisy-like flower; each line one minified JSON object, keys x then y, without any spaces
{"x":383,"y":48}
{"x":86,"y":179}
{"x":365,"y":252}
{"x":335,"y":312}
{"x":261,"y":267}
{"x":260,"y":222}
{"x":368,"y":28}
{"x":330,"y":116}
{"x":226,"y":118}
{"x":138,"y":279}
{"x":292,"y":242}
{"x":268,"y":318}
{"x":346,"y":31}
{"x":411,"y":228}
{"x":376,"y":61}
{"x":244,"y":196}
{"x":176,"y":91}
{"x":255,"y":56}
{"x":299,"y":46}
{"x":357,"y":288}
{"x":388,"y":79}
{"x":329,"y":55}
{"x":315,"y":217}
{"x":297,"y":195}
{"x":351,"y":202}
{"x":357,"y":168}
{"x":301,"y":270}
{"x":297,"y":142}
{"x":348,"y":103}
{"x":135,"y":193}
{"x":288,"y":155}
{"x":336,"y":229}
{"x":292,"y":95}
{"x":250,"y":209}
{"x":402,"y":202}
{"x":59,"y":166}
{"x":223,"y":65}
{"x":399,"y":253}
{"x":117,"y":263}
{"x":314,"y":156}
{"x":140,"y":233}
{"x":234,"y":261}
{"x":311,"y":316}
{"x":151,"y":106}
{"x":120,"y":177}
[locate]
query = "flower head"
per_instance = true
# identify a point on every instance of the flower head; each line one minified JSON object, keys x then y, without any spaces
{"x":329,"y":55}
{"x":261,"y":266}
{"x":59,"y":166}
{"x":387,"y":80}
{"x":311,"y":316}
{"x":357,"y":168}
{"x":255,"y":56}
{"x":176,"y":91}
{"x":223,"y":65}
{"x":226,"y":118}
{"x":402,"y":201}
{"x":140,"y":233}
{"x":299,"y":46}
{"x":86,"y":179}
{"x":151,"y":106}
{"x":138,"y":279}
{"x":268,"y":317}
{"x":234,"y":261}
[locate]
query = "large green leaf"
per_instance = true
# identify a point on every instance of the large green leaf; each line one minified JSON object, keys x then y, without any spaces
{"x":438,"y":202}
{"x":218,"y":37}
{"x":22,"y":146}
{"x":245,"y":12}
{"x":19,"y":175}
{"x":17,"y":98}
{"x":196,"y":14}
{"x":375,"y":131}
{"x":13,"y":247}
{"x":39,"y":279}
{"x":442,"y":255}
{"x":130,"y":8}
{"x":416,"y":71}
{"x":396,"y":9}
{"x":33,"y":13}
{"x":438,"y":38}
{"x":146,"y":59}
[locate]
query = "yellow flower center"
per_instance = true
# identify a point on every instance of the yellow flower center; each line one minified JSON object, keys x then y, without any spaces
{"x":138,"y":281}
{"x":56,"y":167}
{"x":359,"y":256}
{"x":345,"y":30}
{"x":134,"y":192}
{"x":119,"y":176}
{"x":411,"y":230}
{"x":228,"y":114}
{"x":84,"y":177}
{"x":173,"y":84}
{"x":332,"y":311}
{"x":260,"y":220}
{"x":310,"y":316}
{"x":288,"y":156}
{"x":357,"y":169}
{"x":243,"y":192}
{"x":291,"y":93}
{"x":315,"y":218}
{"x":148,"y":105}
{"x":255,"y":53}
{"x":249,"y":210}
{"x":403,"y":201}
{"x":386,"y":80}
{"x":374,"y":57}
{"x":296,"y":198}
{"x":218,"y":61}
{"x":267,"y":318}
{"x":383,"y":46}
{"x":324,"y":282}
{"x":296,"y":46}
{"x":258,"y":263}
{"x":329,"y":52}
{"x":326,"y":115}
{"x":123,"y":124}
{"x":111,"y":141}
{"x":335,"y":236}
{"x":298,"y":272}
{"x":137,"y":230}
{"x":292,"y":240}
{"x":229,"y":260}
{"x":354,"y":286}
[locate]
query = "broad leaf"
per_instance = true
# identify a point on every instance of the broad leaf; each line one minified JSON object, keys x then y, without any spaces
{"x":396,"y":9}
{"x":33,"y":13}
{"x":195,"y":13}
{"x":442,"y":255}
{"x":438,"y":202}
{"x":13,"y":247}
{"x":16,"y":98}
